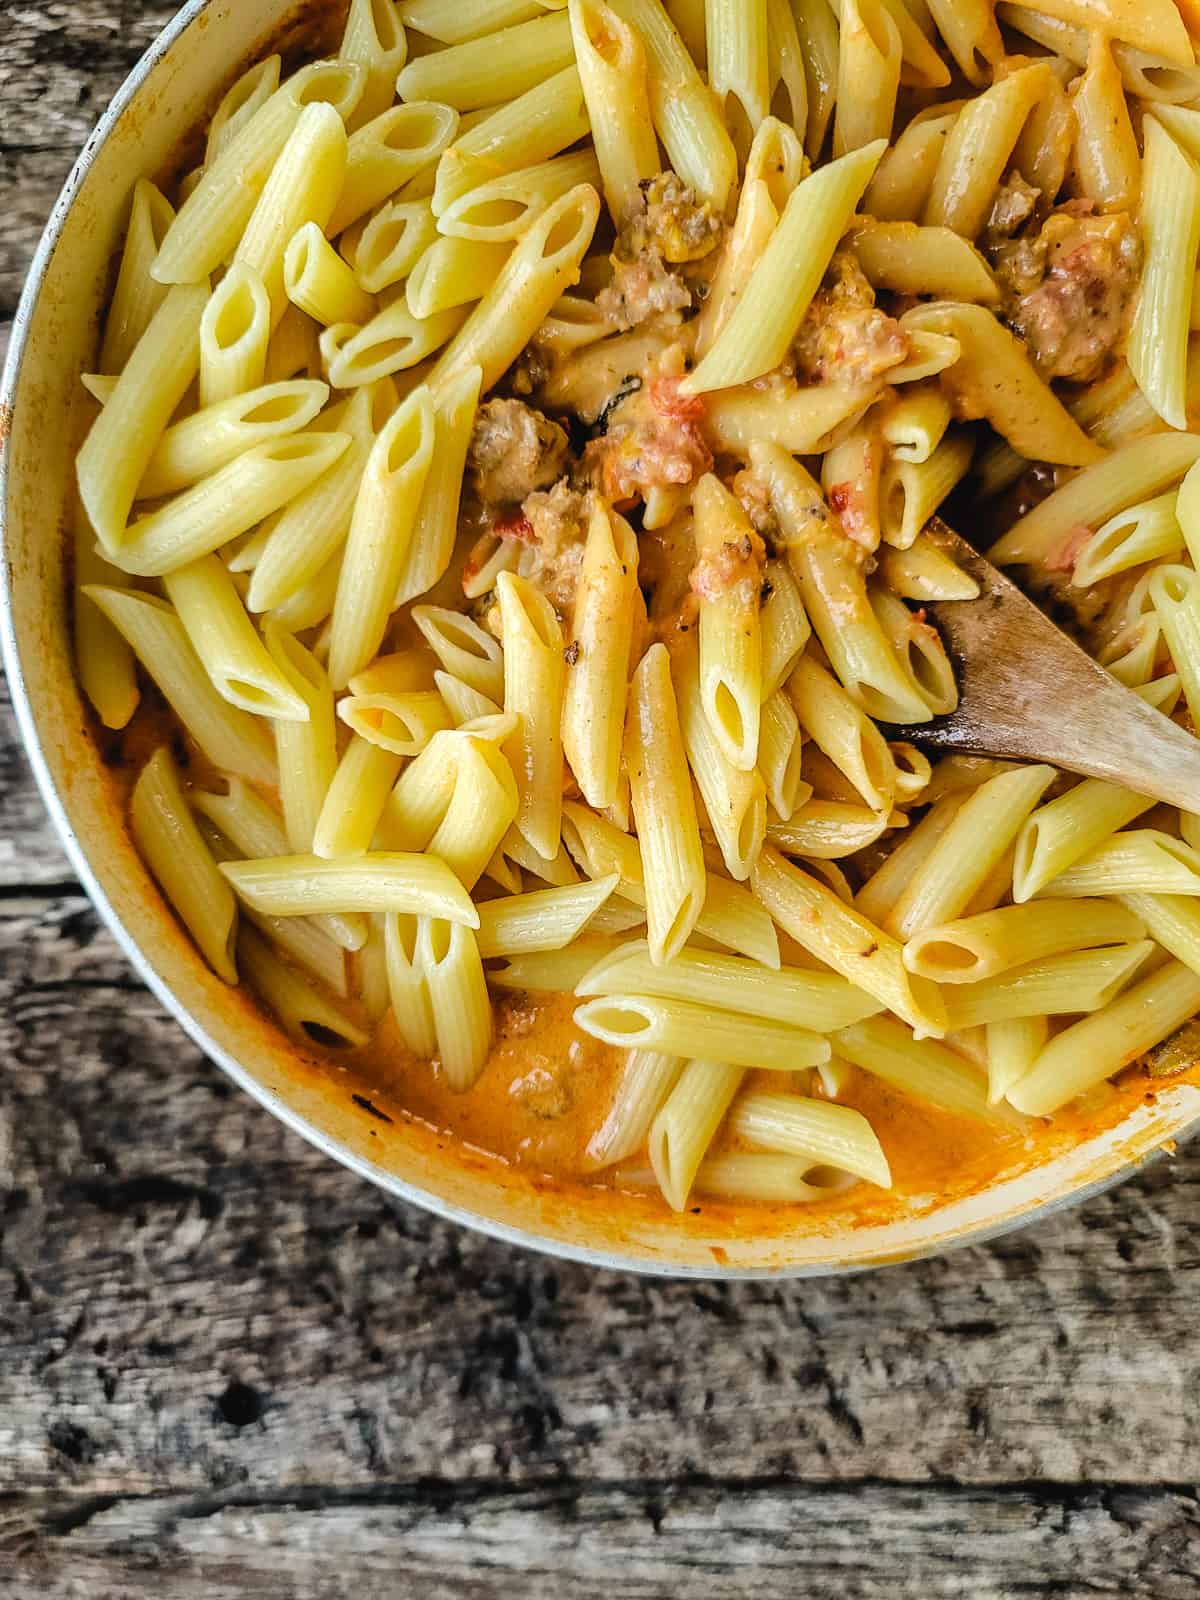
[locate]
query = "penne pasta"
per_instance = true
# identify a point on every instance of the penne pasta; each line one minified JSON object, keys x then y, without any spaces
{"x":544,"y":263}
{"x":1158,"y":337}
{"x":835,"y":1136}
{"x":173,"y":847}
{"x":227,"y":644}
{"x":123,"y":438}
{"x":385,"y":153}
{"x":496,"y":67}
{"x":514,"y":451}
{"x":612,"y":70}
{"x":136,"y":295}
{"x":383,"y":881}
{"x":730,"y":656}
{"x":978,"y":947}
{"x":596,"y":686}
{"x":764,"y":323}
{"x":374,"y":38}
{"x":1107,"y":1040}
{"x":663,"y":808}
{"x":684,"y":1126}
{"x":228,"y":736}
{"x":228,"y":503}
{"x":923,"y":1068}
{"x":834,"y":592}
{"x":1068,"y":828}
{"x":304,"y":1011}
{"x":820,"y":1001}
{"x":678,"y":1027}
{"x":215,"y":435}
{"x":841,"y":937}
{"x":546,"y":919}
{"x":355,"y":799}
{"x":381,"y":529}
{"x":1079,"y":981}
{"x":319,"y":282}
{"x":462,"y":1017}
{"x":534,"y":679}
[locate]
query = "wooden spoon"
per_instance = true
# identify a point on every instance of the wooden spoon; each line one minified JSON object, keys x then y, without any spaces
{"x":1028,"y":693}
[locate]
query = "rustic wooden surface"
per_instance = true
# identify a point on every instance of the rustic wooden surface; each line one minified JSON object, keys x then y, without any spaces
{"x":229,"y":1369}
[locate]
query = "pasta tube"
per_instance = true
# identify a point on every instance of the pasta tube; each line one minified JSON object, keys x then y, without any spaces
{"x":730,"y":664}
{"x":646,"y":1079}
{"x":820,"y":1001}
{"x":374,"y":38}
{"x":734,"y":801}
{"x":533,"y":691}
{"x":355,"y":799}
{"x":458,"y":998}
{"x":596,"y":688}
{"x":686,"y":116}
{"x":612,"y":70}
{"x":546,"y":919}
{"x":923,"y":1068}
{"x":136,"y":295}
{"x":1107,"y":1040}
{"x":661,"y":792}
{"x":678,"y":1027}
{"x":684,"y":1127}
{"x":225,"y":639}
{"x":381,"y":528}
{"x":974,"y":948}
{"x":845,"y":940}
{"x":303,"y":187}
{"x":123,"y":438}
{"x":173,"y":847}
{"x":214,"y":436}
{"x":408,"y":988}
{"x":300,"y":885}
{"x":831,"y":1135}
{"x":307,"y":749}
{"x":1158,"y":338}
{"x":971,"y":846}
{"x":229,"y":737}
{"x":764,"y":323}
{"x":544,"y":263}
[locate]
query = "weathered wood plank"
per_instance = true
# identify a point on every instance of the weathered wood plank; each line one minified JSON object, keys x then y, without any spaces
{"x":30,"y":852}
{"x":60,"y":64}
{"x":771,"y":1541}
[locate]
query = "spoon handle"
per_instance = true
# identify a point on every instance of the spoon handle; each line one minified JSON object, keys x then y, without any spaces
{"x":1027,"y":691}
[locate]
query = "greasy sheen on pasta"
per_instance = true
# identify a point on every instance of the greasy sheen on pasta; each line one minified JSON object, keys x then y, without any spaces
{"x":502,"y":528}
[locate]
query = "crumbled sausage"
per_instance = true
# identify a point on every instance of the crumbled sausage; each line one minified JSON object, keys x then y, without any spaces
{"x":514,"y":450}
{"x":674,"y":228}
{"x":1070,"y":290}
{"x":676,"y":222}
{"x":1012,"y":208}
{"x":654,"y":440}
{"x":845,"y":337}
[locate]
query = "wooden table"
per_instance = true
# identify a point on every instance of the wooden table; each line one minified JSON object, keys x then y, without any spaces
{"x":227,"y":1368}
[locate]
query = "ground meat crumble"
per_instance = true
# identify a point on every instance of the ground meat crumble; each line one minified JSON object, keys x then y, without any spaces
{"x":654,"y":440}
{"x":845,"y":338}
{"x":1069,"y":289}
{"x":674,"y":229}
{"x":514,"y":450}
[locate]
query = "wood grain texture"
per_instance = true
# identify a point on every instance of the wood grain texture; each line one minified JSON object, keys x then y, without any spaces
{"x":229,"y":1369}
